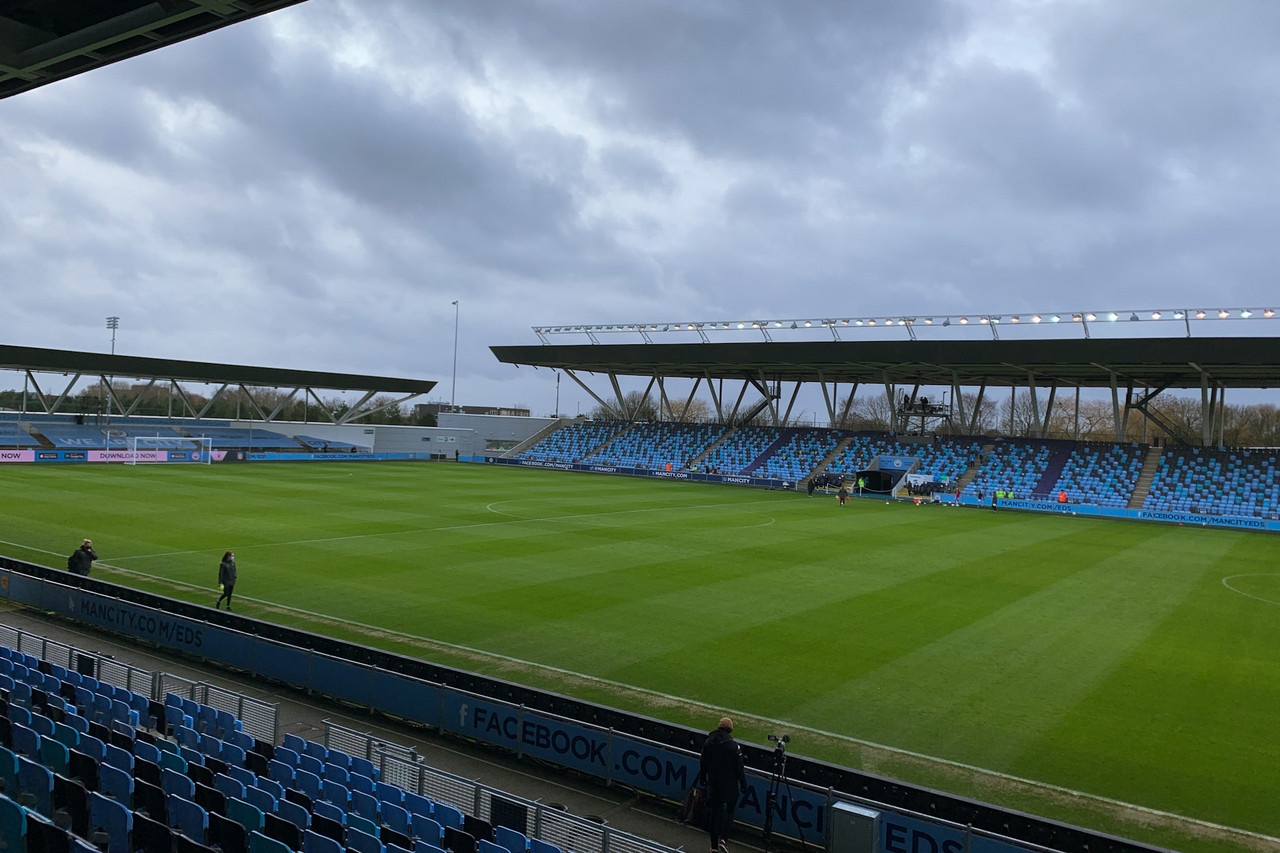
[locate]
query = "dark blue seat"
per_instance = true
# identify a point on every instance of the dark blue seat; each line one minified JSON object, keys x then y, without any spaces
{"x":188,"y":817}
{"x":36,"y":782}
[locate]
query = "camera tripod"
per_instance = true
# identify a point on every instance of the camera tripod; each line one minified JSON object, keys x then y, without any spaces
{"x":777,"y":780}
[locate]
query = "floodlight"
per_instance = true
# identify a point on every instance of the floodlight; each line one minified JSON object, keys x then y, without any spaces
{"x":964,"y":321}
{"x":985,"y":320}
{"x":871,"y":322}
{"x":857,"y":322}
{"x":1091,"y":317}
{"x":741,"y":326}
{"x":946,"y":321}
{"x":1055,"y":318}
{"x":1223,"y":314}
{"x":807,"y":324}
{"x":1112,"y":317}
{"x":845,"y":322}
{"x":1179,"y":315}
{"x":1246,"y":313}
{"x":1155,"y":315}
{"x":1268,"y":313}
{"x":776,"y":324}
{"x":1199,"y":315}
{"x":928,"y":321}
{"x":1035,"y":318}
{"x":1014,"y":319}
{"x":1075,"y":318}
{"x":793,"y":324}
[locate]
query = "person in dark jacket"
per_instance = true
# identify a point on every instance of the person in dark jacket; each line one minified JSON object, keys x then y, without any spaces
{"x":722,"y":769}
{"x":226,"y":579}
{"x":82,"y":558}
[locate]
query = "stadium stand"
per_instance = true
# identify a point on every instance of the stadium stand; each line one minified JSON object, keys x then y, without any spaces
{"x":1100,"y":473}
{"x":78,"y":771}
{"x":1014,"y":465}
{"x":12,"y":435}
{"x":658,"y":445}
{"x":740,"y":449}
{"x":237,"y":438}
{"x":573,"y":442}
{"x":1229,"y":482}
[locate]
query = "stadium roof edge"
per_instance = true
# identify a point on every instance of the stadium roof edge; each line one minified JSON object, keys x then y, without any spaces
{"x":67,"y":361}
{"x":39,"y":46}
{"x":1090,"y":363}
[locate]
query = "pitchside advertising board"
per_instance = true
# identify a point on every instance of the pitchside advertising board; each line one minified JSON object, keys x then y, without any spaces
{"x":106,"y":456}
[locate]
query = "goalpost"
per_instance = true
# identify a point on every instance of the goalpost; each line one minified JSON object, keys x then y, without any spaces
{"x":152,"y":449}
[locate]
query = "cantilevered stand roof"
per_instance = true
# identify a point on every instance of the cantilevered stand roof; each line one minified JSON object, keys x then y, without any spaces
{"x":100,"y":364}
{"x":46,"y":40}
{"x":1237,"y":362}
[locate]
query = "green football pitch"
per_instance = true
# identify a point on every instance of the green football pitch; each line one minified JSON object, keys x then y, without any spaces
{"x":1063,"y":666}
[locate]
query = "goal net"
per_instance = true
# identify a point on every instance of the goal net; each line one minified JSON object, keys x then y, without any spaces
{"x":152,"y":449}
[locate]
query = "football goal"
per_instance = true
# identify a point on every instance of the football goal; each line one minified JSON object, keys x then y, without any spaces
{"x":151,"y":449}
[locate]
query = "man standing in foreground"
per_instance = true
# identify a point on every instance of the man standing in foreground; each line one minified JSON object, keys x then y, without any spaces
{"x":82,"y":558}
{"x":722,"y":769}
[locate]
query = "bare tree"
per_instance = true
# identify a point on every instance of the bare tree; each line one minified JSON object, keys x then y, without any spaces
{"x":636,"y":406}
{"x":698,"y":411}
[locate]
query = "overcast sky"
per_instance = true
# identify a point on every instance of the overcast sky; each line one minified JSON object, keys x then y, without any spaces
{"x":314,"y":188}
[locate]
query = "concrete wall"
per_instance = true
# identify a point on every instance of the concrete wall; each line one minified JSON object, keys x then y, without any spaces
{"x":494,"y":432}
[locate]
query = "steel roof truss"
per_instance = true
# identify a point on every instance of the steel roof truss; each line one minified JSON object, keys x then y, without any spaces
{"x":212,"y":400}
{"x":138,"y":399}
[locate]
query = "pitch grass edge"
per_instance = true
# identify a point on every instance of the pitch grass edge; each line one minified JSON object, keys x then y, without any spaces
{"x":1028,"y":795}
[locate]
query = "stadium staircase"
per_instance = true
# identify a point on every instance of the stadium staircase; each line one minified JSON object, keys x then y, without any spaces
{"x":723,"y":439}
{"x":827,"y":460}
{"x":1143,"y":487}
{"x":783,"y":438}
{"x":970,"y":473}
{"x":45,"y":444}
{"x":608,"y":441}
{"x":541,"y":434}
{"x":1053,"y":469}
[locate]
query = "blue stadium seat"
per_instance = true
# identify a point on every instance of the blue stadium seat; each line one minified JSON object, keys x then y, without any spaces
{"x":13,"y":825}
{"x":36,"y":782}
{"x":188,"y":818}
{"x":116,"y":784}
{"x":259,"y":843}
{"x":315,"y":843}
{"x":247,"y":815}
{"x":362,"y":842}
{"x":294,"y":813}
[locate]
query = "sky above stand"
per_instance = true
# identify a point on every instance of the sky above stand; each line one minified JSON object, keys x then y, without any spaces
{"x":316,"y":188}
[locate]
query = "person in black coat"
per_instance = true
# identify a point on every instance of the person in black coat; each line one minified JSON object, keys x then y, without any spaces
{"x":82,"y":558}
{"x":226,"y":579}
{"x":721,"y":767}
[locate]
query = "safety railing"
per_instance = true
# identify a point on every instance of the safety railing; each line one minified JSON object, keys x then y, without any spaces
{"x":549,"y":822}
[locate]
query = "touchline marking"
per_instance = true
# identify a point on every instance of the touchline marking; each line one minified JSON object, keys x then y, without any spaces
{"x":26,"y":547}
{"x":960,"y":765}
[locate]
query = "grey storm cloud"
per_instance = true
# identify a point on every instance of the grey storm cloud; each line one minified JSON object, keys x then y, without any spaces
{"x":343,"y":171}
